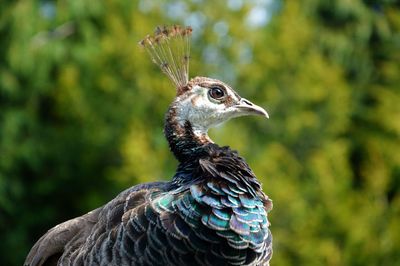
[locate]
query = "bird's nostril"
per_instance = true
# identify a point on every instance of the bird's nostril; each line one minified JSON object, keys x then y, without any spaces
{"x":247,"y":102}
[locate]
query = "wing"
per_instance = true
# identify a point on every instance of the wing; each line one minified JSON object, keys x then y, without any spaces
{"x":51,"y":245}
{"x":69,"y":236}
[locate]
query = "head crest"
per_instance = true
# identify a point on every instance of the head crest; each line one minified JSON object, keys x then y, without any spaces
{"x":169,"y":48}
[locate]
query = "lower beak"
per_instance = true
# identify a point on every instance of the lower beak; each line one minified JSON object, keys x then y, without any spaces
{"x":245,"y":107}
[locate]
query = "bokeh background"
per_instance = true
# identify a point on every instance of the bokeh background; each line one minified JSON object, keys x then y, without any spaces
{"x":82,"y":107}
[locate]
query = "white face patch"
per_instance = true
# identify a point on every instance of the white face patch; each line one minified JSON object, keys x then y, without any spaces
{"x":202,"y":111}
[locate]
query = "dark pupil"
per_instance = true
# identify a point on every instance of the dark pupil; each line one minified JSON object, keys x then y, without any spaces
{"x":216,"y":93}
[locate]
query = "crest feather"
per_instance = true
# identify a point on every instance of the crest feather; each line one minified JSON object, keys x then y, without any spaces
{"x":169,"y":48}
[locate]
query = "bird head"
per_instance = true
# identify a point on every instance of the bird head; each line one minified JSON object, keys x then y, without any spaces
{"x":207,"y":102}
{"x":202,"y":102}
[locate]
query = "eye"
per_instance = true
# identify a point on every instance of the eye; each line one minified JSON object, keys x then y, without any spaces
{"x":216,"y":93}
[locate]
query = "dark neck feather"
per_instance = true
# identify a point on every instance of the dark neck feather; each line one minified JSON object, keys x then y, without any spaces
{"x":189,"y":148}
{"x":184,"y":144}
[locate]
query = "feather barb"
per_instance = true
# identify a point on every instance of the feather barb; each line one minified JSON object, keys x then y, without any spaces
{"x":169,"y":48}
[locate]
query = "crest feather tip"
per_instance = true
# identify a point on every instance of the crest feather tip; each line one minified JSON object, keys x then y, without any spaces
{"x":169,"y":48}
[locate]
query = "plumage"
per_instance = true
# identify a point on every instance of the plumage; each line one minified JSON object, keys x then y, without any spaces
{"x":212,"y":212}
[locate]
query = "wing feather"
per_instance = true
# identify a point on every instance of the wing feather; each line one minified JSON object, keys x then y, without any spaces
{"x":67,"y":237}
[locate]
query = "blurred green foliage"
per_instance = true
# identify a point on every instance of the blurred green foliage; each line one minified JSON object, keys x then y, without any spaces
{"x":81,"y":111}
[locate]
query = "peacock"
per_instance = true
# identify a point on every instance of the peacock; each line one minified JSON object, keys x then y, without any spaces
{"x":212,"y":212}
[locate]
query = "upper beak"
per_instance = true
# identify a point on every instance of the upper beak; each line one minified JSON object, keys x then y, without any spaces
{"x":246,"y":107}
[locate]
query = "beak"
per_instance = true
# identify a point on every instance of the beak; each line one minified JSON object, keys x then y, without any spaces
{"x":245,"y":107}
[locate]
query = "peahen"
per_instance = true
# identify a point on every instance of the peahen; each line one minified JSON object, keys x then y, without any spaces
{"x":213,"y":212}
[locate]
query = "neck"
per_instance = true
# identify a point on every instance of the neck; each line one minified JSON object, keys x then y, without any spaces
{"x":184,"y":142}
